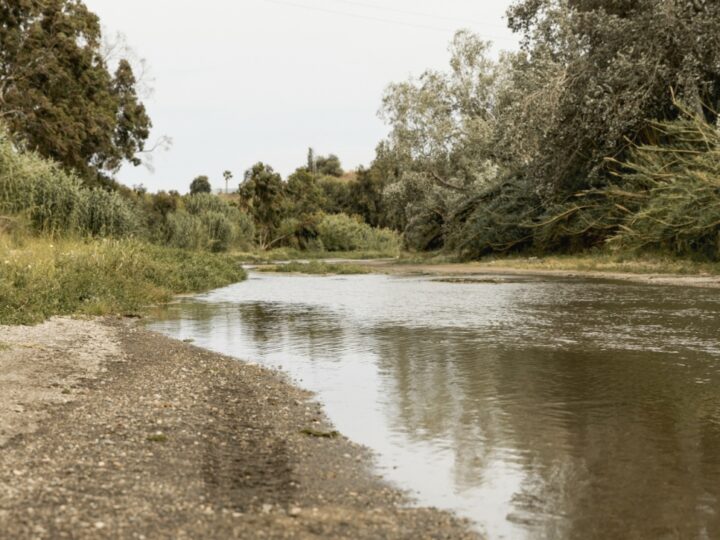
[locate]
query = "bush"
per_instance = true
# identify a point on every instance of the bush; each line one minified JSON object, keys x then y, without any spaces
{"x":106,"y":213}
{"x":186,"y":231}
{"x":340,"y":232}
{"x":220,"y":230}
{"x":209,"y":222}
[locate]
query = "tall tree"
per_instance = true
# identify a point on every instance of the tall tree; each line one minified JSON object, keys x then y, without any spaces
{"x":599,"y":71}
{"x":200,"y":184}
{"x":57,"y":93}
{"x":263,"y":196}
{"x":227,"y":176}
{"x":329,"y":166}
{"x":441,"y":126}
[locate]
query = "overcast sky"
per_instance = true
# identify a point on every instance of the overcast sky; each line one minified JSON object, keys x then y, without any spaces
{"x":241,"y":81}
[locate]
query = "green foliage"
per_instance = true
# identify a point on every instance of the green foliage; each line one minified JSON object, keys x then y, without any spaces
{"x":341,"y":232}
{"x":58,"y":95}
{"x":209,"y":222}
{"x":591,"y":74}
{"x":336,"y":193}
{"x":496,"y":220}
{"x":306,"y":193}
{"x":186,"y":231}
{"x":438,"y":154}
{"x":263,"y":196}
{"x":56,"y":202}
{"x":316,"y":267}
{"x":328,"y":166}
{"x":667,"y":196}
{"x":200,"y":184}
{"x":100,"y":277}
{"x":106,"y":213}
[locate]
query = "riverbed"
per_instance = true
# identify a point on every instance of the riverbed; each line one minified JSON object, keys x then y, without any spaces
{"x":537,"y":407}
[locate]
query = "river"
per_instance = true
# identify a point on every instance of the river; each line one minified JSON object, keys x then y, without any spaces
{"x":536,"y":407}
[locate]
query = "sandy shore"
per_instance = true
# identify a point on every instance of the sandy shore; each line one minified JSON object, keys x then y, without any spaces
{"x":497,"y":269}
{"x":110,"y":431}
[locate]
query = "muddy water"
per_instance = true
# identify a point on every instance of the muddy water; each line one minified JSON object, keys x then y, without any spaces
{"x":538,"y":408}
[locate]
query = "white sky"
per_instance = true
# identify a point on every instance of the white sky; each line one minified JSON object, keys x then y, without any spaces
{"x":241,"y":81}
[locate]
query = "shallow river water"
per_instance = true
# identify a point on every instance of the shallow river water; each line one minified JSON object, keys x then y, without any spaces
{"x":538,"y":408}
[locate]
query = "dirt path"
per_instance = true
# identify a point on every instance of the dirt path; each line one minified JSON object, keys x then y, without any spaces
{"x":110,"y":431}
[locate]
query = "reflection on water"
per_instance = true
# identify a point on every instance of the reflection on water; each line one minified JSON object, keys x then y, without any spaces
{"x":539,"y":409}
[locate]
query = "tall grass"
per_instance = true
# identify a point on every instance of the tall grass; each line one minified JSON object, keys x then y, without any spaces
{"x":42,"y":277}
{"x":55,"y":202}
{"x":211,"y":223}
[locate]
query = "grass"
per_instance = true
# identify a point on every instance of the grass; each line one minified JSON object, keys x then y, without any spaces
{"x":288,"y":254}
{"x":316,"y":267}
{"x":41,"y":277}
{"x":611,"y":262}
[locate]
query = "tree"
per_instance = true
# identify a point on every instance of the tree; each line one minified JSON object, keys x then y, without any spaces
{"x":311,"y":163}
{"x":57,"y":94}
{"x":305,"y":193}
{"x":366,"y":196}
{"x":599,"y":72}
{"x":227,"y":175}
{"x":262,"y":195}
{"x":440,"y":142}
{"x":329,"y":166}
{"x":201,"y":184}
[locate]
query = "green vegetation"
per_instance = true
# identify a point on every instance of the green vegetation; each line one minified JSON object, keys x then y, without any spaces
{"x":66,"y":95}
{"x":607,"y":261}
{"x":316,"y":267}
{"x":595,"y":146}
{"x":601,"y":131}
{"x":340,"y":232}
{"x":41,"y":277}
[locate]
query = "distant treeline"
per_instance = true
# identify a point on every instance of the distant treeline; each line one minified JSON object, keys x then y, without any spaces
{"x":600,"y":131}
{"x":305,"y":212}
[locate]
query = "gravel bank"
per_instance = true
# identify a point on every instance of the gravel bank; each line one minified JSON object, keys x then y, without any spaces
{"x":110,"y":431}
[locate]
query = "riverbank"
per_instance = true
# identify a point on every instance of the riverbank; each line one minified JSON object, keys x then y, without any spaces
{"x":539,"y":267}
{"x":108,"y":430}
{"x":640,"y":269}
{"x":648,"y":271}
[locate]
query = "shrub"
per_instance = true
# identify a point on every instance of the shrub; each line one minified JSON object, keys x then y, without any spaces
{"x":209,"y":222}
{"x":186,"y":231}
{"x":105,"y":213}
{"x":220,"y":230}
{"x":339,"y":232}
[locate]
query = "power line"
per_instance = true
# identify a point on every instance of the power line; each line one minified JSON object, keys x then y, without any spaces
{"x":414,"y":13}
{"x":359,"y":16}
{"x":374,"y":18}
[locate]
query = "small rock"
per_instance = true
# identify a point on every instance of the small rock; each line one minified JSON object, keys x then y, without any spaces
{"x":294,"y":511}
